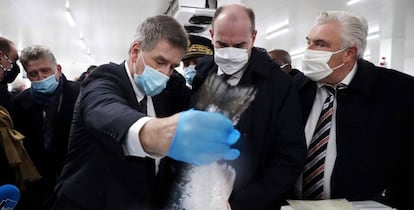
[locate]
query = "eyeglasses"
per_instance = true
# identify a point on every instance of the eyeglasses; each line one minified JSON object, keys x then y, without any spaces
{"x":10,"y":61}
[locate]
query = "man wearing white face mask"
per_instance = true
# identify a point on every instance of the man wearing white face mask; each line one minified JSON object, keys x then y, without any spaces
{"x":363,"y":151}
{"x":43,"y":114}
{"x":272,"y":143}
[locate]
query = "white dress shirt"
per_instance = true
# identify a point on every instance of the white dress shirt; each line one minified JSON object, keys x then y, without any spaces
{"x":321,"y":95}
{"x":234,"y":78}
{"x":132,"y":145}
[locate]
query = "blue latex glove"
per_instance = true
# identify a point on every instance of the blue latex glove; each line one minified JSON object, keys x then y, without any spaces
{"x":203,"y":137}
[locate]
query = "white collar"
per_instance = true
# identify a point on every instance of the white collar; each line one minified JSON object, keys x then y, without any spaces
{"x":137,"y":91}
{"x":348,"y":78}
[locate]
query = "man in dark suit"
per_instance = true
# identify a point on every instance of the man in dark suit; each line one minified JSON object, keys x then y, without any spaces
{"x":8,"y":59}
{"x":8,"y":69}
{"x":116,"y":139}
{"x":282,"y":58}
{"x":369,"y":141}
{"x":272,"y":143}
{"x":43,"y":114}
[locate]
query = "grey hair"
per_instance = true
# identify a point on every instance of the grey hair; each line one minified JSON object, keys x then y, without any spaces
{"x":159,"y":27}
{"x":36,"y":52}
{"x":354,"y":29}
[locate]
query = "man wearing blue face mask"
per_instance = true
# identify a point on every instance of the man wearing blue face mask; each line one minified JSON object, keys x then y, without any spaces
{"x":126,"y":120}
{"x":43,"y":113}
{"x":199,"y":47}
{"x":359,"y":118}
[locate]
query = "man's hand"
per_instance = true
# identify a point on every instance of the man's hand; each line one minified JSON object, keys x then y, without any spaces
{"x":203,"y":137}
{"x":192,"y":136}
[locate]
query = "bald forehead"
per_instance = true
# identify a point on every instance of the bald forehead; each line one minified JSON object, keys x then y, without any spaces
{"x":235,"y":15}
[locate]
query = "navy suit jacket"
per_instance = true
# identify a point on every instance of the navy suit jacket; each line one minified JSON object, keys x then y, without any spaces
{"x":97,"y":174}
{"x":374,"y":135}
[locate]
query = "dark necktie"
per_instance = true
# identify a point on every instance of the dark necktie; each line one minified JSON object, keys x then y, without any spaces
{"x":225,"y":77}
{"x":315,"y":159}
{"x":143,"y":105}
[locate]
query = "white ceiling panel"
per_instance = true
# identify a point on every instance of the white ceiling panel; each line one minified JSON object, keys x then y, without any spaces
{"x":108,"y":26}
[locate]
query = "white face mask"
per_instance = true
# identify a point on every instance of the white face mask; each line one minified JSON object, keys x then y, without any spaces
{"x":315,"y":64}
{"x":231,"y":59}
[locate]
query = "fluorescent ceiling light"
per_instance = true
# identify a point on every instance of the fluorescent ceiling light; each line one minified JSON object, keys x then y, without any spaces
{"x":373,"y":32}
{"x":277,"y":30}
{"x":67,"y":4}
{"x":373,"y":36}
{"x":277,"y":33}
{"x":352,"y":2}
{"x":367,"y":54}
{"x":296,"y":53}
{"x":69,"y":18}
{"x":373,"y":29}
{"x":82,"y":43}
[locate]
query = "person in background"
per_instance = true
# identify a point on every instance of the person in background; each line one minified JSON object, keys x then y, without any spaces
{"x":17,"y":86}
{"x":86,"y":73}
{"x":16,"y":166}
{"x":282,"y":58}
{"x":117,"y":136}
{"x":272,"y":142}
{"x":199,"y":47}
{"x":43,"y":114}
{"x":8,"y":69}
{"x":362,"y":138}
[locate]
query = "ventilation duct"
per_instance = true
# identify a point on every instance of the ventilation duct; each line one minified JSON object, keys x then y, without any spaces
{"x":194,"y":15}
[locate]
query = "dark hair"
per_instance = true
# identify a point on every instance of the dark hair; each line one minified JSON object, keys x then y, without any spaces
{"x":280,"y":55}
{"x":5,"y":45}
{"x":90,"y":68}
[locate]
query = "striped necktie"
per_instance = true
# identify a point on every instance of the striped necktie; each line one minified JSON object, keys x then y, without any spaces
{"x":315,"y":159}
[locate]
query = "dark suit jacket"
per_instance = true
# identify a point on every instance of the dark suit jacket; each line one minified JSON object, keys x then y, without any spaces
{"x":374,"y":135}
{"x":4,"y":95}
{"x":97,"y":174}
{"x":27,"y":115}
{"x":272,"y":145}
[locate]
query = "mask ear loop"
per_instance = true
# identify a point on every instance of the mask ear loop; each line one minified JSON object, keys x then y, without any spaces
{"x":340,"y":65}
{"x":142,"y":56}
{"x":284,"y":65}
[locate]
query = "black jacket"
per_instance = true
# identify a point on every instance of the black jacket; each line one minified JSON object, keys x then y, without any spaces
{"x":97,"y":174}
{"x":27,"y":115}
{"x":374,"y":138}
{"x":272,"y":145}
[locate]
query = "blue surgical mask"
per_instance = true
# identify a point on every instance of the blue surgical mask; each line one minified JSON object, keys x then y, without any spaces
{"x":47,"y":85}
{"x":189,"y":74}
{"x":151,"y":81}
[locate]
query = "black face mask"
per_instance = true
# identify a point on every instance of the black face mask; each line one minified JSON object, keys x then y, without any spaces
{"x":9,"y":76}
